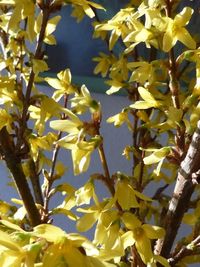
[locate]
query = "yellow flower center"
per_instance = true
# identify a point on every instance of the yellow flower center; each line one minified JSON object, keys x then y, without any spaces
{"x":138,"y":233}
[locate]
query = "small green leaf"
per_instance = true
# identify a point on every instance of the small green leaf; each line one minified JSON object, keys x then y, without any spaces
{"x":87,"y":221}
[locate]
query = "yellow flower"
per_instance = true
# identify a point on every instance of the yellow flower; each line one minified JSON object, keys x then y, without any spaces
{"x":62,"y":250}
{"x":128,"y":200}
{"x":23,"y":9}
{"x":82,"y":7}
{"x":175,"y":30}
{"x":84,"y":194}
{"x":142,"y":72}
{"x":119,"y":25}
{"x":80,"y":151}
{"x":115,"y":84}
{"x":148,"y":100}
{"x":43,"y":142}
{"x":50,"y":28}
{"x":62,"y":84}
{"x":104,"y":63}
{"x":5,"y":120}
{"x":108,"y":229}
{"x":7,"y":92}
{"x":89,"y":218}
{"x":83,"y":100}
{"x":120,"y":118}
{"x":140,"y":34}
{"x":140,"y":235}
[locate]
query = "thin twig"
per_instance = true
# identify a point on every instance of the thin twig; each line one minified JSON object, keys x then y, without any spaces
{"x":50,"y":180}
{"x":107,"y":179}
{"x":185,"y":251}
{"x":52,"y":170}
{"x":38,"y":51}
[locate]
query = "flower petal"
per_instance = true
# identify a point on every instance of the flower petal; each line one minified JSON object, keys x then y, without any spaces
{"x":184,"y":37}
{"x":153,"y":232}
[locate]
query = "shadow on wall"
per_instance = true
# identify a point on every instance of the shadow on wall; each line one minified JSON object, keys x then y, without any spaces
{"x":75,"y":45}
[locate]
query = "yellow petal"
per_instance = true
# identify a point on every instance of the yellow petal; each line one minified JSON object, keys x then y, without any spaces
{"x":184,"y":16}
{"x":50,"y":232}
{"x":84,"y":194}
{"x":100,"y":233}
{"x":143,"y":246}
{"x":6,"y":241}
{"x":128,"y":200}
{"x":130,"y":220}
{"x":169,"y":40}
{"x":184,"y":37}
{"x":81,"y":160}
{"x":55,"y":83}
{"x":115,"y":87}
{"x":53,"y":256}
{"x":143,"y":105}
{"x":153,"y":232}
{"x":145,"y":94}
{"x":51,"y":25}
{"x":39,"y":66}
{"x":157,"y":156}
{"x":73,"y":257}
{"x":113,"y":38}
{"x":65,"y":212}
{"x":88,"y":11}
{"x":128,"y":239}
{"x":87,"y":221}
{"x":64,"y":126}
{"x":12,"y":226}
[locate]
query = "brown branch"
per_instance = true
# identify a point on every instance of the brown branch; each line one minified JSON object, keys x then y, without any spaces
{"x":52,"y":170}
{"x":173,"y":83}
{"x":183,"y":190}
{"x":13,"y":163}
{"x":107,"y":178}
{"x":50,"y":181}
{"x":9,"y":149}
{"x":189,"y":250}
{"x":158,"y":194}
{"x":23,"y":126}
{"x":35,"y":181}
{"x":38,"y":52}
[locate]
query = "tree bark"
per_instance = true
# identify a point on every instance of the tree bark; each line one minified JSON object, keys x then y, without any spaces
{"x":187,"y":177}
{"x":13,"y":163}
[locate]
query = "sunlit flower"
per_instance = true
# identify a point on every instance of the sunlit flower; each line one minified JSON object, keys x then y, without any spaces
{"x":175,"y":30}
{"x":140,"y":235}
